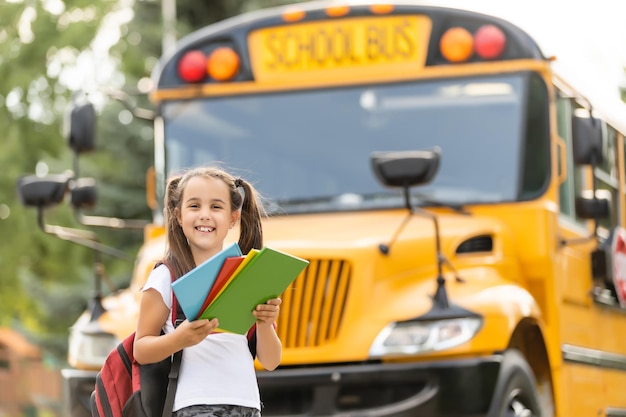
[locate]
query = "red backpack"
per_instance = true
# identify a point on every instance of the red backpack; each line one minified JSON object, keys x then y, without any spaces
{"x":124,"y":388}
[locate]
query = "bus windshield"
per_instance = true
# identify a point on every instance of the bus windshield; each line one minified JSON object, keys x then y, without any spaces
{"x":309,"y":150}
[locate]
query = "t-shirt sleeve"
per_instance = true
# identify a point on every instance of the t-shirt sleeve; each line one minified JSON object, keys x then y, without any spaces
{"x":160,"y":279}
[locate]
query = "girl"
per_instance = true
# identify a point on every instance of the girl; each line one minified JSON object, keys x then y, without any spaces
{"x":217,"y":376}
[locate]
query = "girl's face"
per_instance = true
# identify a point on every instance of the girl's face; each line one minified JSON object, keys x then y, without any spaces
{"x":205,"y":216}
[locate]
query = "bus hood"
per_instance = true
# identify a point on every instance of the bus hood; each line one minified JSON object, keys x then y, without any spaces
{"x":352,"y":289}
{"x":325,"y":234}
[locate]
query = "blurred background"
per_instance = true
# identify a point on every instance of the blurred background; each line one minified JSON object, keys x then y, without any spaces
{"x":52,"y":51}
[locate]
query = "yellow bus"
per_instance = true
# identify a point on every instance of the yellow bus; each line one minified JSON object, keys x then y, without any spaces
{"x":462,"y":207}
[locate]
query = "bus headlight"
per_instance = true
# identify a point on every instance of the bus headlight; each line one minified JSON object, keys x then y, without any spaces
{"x":89,"y":347}
{"x":411,"y":337}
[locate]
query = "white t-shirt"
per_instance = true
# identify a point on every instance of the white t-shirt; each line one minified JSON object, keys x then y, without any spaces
{"x":218,"y":370}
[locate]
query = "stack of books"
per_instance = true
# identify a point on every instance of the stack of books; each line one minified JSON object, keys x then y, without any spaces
{"x":230,"y":285}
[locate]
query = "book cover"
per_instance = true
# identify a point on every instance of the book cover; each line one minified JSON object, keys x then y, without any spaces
{"x":228,"y":268}
{"x":266,"y":276}
{"x":192,"y":288}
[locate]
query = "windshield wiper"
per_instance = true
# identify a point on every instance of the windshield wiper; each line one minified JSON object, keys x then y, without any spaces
{"x":427,"y":202}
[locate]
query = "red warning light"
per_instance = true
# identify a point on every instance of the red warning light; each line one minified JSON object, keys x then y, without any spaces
{"x":489,"y":42}
{"x":192,"y":67}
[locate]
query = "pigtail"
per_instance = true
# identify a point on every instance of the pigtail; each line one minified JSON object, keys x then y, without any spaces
{"x":251,"y":230}
{"x":178,"y":255}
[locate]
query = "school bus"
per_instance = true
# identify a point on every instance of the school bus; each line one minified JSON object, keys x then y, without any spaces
{"x":461,"y":204}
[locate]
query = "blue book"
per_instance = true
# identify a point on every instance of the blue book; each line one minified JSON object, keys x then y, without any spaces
{"x":192,"y":288}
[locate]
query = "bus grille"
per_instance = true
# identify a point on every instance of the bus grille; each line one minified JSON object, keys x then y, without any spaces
{"x":313,"y":305}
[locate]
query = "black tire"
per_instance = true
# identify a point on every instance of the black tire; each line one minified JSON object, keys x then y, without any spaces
{"x":516,"y":391}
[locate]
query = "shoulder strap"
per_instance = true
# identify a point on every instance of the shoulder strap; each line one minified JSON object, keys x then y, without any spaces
{"x":177,"y":317}
{"x":168,"y":407}
{"x":252,"y":340}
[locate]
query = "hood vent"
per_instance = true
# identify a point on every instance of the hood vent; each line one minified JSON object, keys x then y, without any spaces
{"x":476,"y":244}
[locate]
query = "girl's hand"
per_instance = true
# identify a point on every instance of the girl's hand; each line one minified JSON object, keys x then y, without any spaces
{"x":267,"y":313}
{"x":193,"y":332}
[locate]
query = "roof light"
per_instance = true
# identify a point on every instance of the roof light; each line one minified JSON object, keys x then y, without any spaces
{"x":337,"y":11}
{"x":223,"y":64}
{"x":192,"y":67}
{"x":381,"y":8}
{"x":457,"y":45}
{"x":489,"y":41}
{"x":293,"y":14}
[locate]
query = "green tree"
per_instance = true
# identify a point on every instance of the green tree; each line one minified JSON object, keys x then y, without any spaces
{"x":41,"y":44}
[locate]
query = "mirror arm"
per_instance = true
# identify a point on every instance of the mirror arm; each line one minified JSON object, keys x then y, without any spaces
{"x":123,"y":98}
{"x":95,"y":305}
{"x":110,"y":222}
{"x":406,"y":191}
{"x":87,"y":239}
{"x":81,"y":237}
{"x":384,"y":247}
{"x":441,"y":297}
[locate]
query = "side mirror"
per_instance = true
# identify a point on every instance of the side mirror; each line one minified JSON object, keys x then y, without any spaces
{"x":83,"y":193}
{"x":405,"y":168}
{"x":34,"y":191}
{"x":587,"y":140}
{"x":590,"y":206}
{"x":81,"y":127}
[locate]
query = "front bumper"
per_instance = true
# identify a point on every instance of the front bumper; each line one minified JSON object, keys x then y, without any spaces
{"x":77,"y":388}
{"x":442,"y":389}
{"x":447,"y":388}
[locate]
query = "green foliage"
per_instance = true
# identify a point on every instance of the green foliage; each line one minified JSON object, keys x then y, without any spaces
{"x":35,"y":45}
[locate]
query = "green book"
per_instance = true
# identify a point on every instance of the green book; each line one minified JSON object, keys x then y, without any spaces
{"x":266,"y":276}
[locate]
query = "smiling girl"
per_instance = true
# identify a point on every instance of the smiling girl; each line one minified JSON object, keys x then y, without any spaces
{"x":217,"y":375}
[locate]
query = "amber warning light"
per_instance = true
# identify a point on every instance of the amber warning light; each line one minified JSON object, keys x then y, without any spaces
{"x":222,"y":64}
{"x":459,"y":45}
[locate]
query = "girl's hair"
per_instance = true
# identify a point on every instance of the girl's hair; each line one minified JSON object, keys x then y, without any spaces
{"x":178,"y":255}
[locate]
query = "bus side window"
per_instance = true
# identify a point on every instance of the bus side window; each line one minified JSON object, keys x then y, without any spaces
{"x":608,"y":179}
{"x":574,"y":182}
{"x":537,"y":147}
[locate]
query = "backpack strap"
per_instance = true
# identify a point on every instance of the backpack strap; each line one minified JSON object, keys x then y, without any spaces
{"x":177,"y":318}
{"x":251,"y":335}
